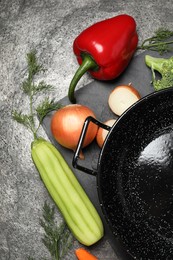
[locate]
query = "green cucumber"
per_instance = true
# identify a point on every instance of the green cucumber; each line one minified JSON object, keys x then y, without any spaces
{"x":75,"y":206}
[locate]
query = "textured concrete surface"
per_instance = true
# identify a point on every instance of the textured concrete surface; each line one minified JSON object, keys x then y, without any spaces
{"x":50,"y":27}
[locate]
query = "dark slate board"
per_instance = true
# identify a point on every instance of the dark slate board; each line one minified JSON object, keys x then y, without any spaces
{"x":95,"y":96}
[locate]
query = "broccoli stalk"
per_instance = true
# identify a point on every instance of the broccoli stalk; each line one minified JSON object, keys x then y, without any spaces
{"x":164,"y":67}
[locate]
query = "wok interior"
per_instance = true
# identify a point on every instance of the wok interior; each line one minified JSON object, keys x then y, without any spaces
{"x":135,"y":177}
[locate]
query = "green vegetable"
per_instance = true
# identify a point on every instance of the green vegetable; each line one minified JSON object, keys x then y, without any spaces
{"x":32,"y":90}
{"x":69,"y":196}
{"x":75,"y":206}
{"x":57,"y":239}
{"x":164,"y":67}
{"x":158,"y":42}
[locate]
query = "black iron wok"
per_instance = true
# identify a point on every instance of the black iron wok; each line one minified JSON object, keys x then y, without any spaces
{"x":135,"y":176}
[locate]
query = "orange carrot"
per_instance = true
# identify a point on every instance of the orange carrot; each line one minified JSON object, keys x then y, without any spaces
{"x":83,"y":254}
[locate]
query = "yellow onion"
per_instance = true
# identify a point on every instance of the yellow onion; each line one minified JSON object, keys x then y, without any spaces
{"x":67,"y":123}
{"x":102,"y":133}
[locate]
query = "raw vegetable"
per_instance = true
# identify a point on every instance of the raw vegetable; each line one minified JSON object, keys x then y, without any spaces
{"x":122,"y":97}
{"x":67,"y":123}
{"x":83,"y":254}
{"x":159,"y":41}
{"x":164,"y":67}
{"x":102,"y":133}
{"x":32,"y":90}
{"x":74,"y":204}
{"x":104,"y":49}
{"x":57,"y":239}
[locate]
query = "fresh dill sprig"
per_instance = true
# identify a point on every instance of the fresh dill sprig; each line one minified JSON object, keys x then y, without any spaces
{"x":21,"y":118}
{"x":163,"y":34}
{"x":33,"y":66}
{"x":31,"y":89}
{"x":45,"y":107}
{"x":159,"y":41}
{"x":57,"y":239}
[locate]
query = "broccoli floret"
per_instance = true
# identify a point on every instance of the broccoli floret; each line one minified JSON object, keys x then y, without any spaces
{"x":164,"y":67}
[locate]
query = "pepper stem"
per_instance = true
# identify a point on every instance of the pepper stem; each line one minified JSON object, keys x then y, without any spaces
{"x":87,"y":64}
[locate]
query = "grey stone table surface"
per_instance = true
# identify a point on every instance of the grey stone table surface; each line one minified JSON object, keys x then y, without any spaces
{"x":49,"y":27}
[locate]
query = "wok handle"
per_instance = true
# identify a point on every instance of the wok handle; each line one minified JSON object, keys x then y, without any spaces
{"x":80,"y":143}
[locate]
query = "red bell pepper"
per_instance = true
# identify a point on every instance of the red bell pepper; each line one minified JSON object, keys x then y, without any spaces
{"x":104,"y":49}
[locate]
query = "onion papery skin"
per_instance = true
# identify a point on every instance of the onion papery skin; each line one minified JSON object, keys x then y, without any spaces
{"x":102,"y":133}
{"x":67,"y":124}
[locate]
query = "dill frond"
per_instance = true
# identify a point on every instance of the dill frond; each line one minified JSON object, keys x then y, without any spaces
{"x":57,"y":239}
{"x":159,"y":42}
{"x":31,"y":89}
{"x":163,"y":34}
{"x":47,"y":106}
{"x":23,"y":119}
{"x":41,"y":87}
{"x":33,"y":66}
